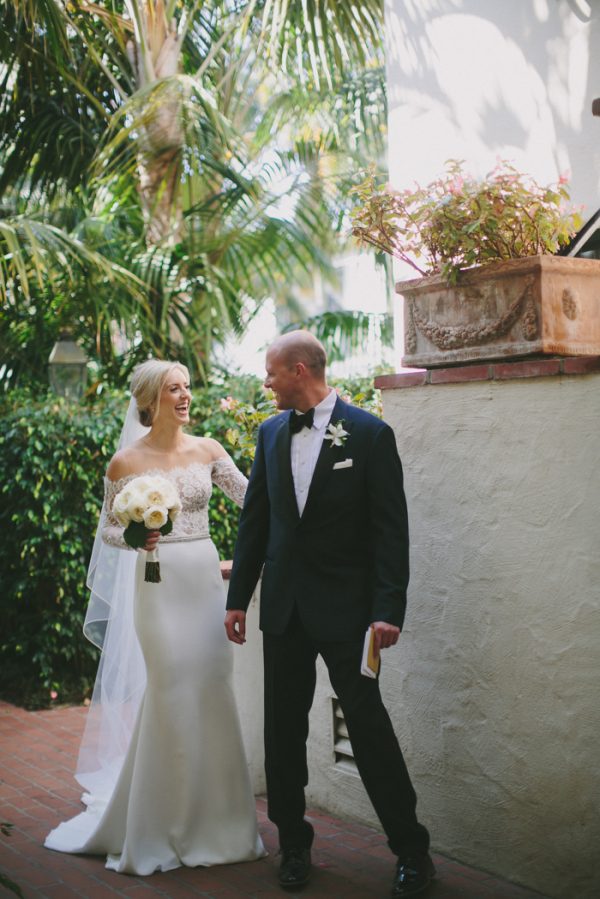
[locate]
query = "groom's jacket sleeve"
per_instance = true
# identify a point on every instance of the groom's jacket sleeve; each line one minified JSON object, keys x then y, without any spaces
{"x":388,"y":522}
{"x":253,"y":531}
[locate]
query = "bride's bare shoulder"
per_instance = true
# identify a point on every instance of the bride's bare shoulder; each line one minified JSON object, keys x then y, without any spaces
{"x":124,"y":462}
{"x":207,"y":449}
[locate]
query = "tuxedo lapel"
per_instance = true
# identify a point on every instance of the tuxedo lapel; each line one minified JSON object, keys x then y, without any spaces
{"x":327,"y":456}
{"x":284,"y":464}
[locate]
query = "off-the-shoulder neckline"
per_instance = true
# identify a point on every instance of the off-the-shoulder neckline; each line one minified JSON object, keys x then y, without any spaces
{"x":167,"y":471}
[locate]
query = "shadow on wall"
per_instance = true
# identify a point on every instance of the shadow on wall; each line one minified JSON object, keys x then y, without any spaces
{"x":478,"y":82}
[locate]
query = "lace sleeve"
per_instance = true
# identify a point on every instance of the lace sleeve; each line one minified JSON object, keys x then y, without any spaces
{"x":112,"y":532}
{"x":230,"y":479}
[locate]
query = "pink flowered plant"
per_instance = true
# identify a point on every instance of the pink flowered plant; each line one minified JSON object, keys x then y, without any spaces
{"x":458,"y":221}
{"x":228,"y":404}
{"x":456,"y":184}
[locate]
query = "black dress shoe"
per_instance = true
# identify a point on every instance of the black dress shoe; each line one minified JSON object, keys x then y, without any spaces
{"x":294,"y":870}
{"x":413,"y":875}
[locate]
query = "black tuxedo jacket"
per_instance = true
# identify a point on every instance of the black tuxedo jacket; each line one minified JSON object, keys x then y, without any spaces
{"x":344,"y":561}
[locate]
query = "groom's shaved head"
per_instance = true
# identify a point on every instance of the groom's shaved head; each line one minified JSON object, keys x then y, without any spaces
{"x":301,"y":346}
{"x":295,"y":366}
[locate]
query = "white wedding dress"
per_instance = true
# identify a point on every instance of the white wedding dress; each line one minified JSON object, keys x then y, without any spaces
{"x":183,"y":794}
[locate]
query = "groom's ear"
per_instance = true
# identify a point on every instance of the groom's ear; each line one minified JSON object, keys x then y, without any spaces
{"x":300,"y":369}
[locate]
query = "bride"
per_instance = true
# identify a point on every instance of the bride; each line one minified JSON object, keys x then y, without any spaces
{"x":162,"y":758}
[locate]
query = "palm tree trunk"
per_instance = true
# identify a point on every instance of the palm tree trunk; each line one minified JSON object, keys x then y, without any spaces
{"x":158,"y":178}
{"x":155,"y":54}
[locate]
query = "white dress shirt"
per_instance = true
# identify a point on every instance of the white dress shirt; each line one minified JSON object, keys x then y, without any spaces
{"x":305,"y":448}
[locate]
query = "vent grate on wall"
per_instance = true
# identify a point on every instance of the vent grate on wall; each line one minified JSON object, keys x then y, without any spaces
{"x":342,"y":748}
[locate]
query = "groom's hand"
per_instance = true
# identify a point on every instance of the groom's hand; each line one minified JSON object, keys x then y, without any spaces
{"x":235,"y":625}
{"x":385,"y":634}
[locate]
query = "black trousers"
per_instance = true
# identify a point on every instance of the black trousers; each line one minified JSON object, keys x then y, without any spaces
{"x":290,"y":679}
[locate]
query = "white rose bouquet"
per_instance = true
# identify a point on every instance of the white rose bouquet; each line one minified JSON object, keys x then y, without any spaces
{"x":147,"y":504}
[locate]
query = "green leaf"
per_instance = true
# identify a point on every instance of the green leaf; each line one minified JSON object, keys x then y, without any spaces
{"x":135,"y":534}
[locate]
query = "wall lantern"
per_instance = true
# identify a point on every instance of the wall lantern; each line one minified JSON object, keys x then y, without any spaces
{"x":67,"y":368}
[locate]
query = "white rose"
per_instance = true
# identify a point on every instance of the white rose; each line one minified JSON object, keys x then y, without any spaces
{"x":156,"y":497}
{"x":137,"y":504}
{"x":170,"y":493}
{"x":161,"y":492}
{"x":173,"y":499}
{"x":122,"y":517}
{"x":174,"y":510}
{"x":121,"y":499}
{"x":119,"y":508}
{"x":162,"y":484}
{"x":155,"y":517}
{"x":141,"y":484}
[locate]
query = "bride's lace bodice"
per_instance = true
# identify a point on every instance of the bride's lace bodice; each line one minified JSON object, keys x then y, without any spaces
{"x":194,"y":486}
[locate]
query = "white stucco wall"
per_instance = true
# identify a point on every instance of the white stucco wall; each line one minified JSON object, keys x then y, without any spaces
{"x":494,"y":686}
{"x":480,"y":80}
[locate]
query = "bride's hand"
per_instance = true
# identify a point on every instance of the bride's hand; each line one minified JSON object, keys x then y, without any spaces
{"x":151,"y":541}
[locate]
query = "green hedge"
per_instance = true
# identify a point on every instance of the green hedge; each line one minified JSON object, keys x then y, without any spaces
{"x":209,"y":420}
{"x":52,"y":459}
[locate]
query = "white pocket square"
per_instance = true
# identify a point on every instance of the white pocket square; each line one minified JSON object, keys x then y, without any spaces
{"x":345,"y":463}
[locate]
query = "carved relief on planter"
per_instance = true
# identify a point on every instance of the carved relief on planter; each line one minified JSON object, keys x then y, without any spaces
{"x":542,"y":304}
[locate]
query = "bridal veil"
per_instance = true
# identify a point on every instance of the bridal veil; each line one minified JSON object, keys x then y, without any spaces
{"x":121,"y":676}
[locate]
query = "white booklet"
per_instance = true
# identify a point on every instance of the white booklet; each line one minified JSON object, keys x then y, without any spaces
{"x":371,"y":660}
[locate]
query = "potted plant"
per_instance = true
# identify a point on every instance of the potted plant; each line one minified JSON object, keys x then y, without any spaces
{"x":491,"y":284}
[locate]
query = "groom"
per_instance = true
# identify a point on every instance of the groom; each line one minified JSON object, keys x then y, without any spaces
{"x":325,"y":515}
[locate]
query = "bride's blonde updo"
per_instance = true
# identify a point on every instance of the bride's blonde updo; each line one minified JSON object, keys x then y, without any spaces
{"x":147,"y":381}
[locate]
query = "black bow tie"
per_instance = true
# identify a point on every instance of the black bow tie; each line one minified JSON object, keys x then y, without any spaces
{"x":299,"y":420}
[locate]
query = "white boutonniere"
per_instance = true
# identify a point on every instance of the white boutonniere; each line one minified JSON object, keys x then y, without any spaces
{"x":336,"y":433}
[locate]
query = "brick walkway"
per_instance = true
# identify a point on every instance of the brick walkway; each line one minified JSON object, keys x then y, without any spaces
{"x":37,"y":790}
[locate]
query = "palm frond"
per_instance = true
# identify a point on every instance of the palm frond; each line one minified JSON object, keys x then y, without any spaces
{"x":172,"y":115}
{"x":47,"y":17}
{"x":320,"y":39}
{"x":345,"y":332}
{"x":54,"y":102}
{"x":33,"y":252}
{"x":349,"y":117}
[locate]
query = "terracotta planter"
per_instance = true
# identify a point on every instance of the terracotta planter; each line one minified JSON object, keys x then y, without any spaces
{"x":521,"y":307}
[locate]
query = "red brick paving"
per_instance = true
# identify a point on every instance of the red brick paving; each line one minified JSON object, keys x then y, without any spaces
{"x":37,"y":790}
